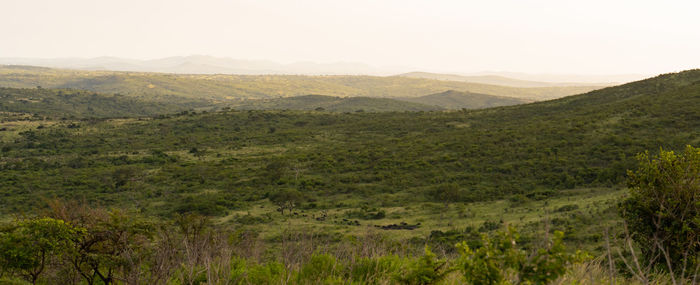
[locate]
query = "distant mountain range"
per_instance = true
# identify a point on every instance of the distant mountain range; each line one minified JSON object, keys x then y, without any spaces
{"x":225,"y":87}
{"x":615,"y":79}
{"x":498,"y":80}
{"x":203,"y":64}
{"x":200,"y":64}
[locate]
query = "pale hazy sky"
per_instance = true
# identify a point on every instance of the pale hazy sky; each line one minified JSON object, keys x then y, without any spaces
{"x":552,"y":36}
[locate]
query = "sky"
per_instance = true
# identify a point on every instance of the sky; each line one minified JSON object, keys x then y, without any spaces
{"x":545,"y":36}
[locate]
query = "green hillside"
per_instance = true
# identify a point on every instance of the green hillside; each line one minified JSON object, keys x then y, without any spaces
{"x":64,"y":103}
{"x":335,"y":104}
{"x":456,"y":100}
{"x":260,"y":184}
{"x":226,"y":162}
{"x":233,"y":87}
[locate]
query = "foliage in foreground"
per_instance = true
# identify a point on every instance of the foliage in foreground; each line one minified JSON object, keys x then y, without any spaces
{"x":74,"y":244}
{"x":114,"y":248}
{"x":500,"y":260}
{"x":663,"y":209}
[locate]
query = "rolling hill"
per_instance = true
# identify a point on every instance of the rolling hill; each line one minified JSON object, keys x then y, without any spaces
{"x":587,"y":140}
{"x":62,"y":103}
{"x":456,"y":100}
{"x":560,"y":163}
{"x":220,"y":87}
{"x":497,"y":80}
{"x":335,"y":104}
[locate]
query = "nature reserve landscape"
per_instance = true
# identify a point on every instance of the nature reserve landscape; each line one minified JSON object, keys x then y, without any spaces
{"x":124,"y":160}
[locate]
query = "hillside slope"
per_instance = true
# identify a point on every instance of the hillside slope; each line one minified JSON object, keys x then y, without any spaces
{"x":231,"y":87}
{"x":495,"y":80}
{"x":336,"y":104}
{"x":59,"y":103}
{"x":456,"y":100}
{"x":389,"y":158}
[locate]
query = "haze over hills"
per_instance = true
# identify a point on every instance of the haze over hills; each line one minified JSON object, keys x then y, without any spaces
{"x":498,"y":80}
{"x":202,"y":64}
{"x":349,"y":142}
{"x":563,"y":78}
{"x":559,"y":162}
{"x":223,"y":87}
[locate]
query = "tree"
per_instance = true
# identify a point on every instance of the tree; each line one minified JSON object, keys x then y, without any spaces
{"x":287,"y":199}
{"x":663,"y":208}
{"x":114,"y":243}
{"x":274,"y":171}
{"x":29,"y":245}
{"x":446,"y":193}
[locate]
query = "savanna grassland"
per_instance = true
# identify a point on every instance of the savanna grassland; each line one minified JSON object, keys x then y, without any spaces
{"x":222,"y":87}
{"x":282,"y":189}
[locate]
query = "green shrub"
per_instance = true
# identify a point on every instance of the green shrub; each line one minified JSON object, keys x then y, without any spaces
{"x":663,"y":209}
{"x":374,"y":270}
{"x":321,"y":268}
{"x":499,"y":260}
{"x":427,"y":269}
{"x":268,"y":273}
{"x":366,"y":213}
{"x":567,"y":208}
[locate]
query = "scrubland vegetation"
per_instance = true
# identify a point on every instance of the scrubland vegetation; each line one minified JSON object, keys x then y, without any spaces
{"x":226,"y":87}
{"x":528,"y":194}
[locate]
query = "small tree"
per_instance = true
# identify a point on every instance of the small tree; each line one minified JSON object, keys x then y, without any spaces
{"x":287,"y":199}
{"x":663,"y":208}
{"x":114,"y":243}
{"x":29,"y":245}
{"x":274,"y":171}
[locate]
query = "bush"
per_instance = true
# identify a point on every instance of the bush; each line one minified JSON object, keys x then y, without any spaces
{"x":427,"y":269}
{"x":567,"y":208}
{"x":663,"y":209}
{"x":366,"y":213}
{"x":488,"y":226}
{"x":374,"y":270}
{"x":268,"y":273}
{"x":501,"y":261}
{"x":321,"y":269}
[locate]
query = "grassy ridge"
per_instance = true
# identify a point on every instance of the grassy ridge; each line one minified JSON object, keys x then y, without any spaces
{"x":493,"y":79}
{"x":456,"y":100}
{"x":336,"y":104}
{"x":66,"y":103}
{"x":227,"y":87}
